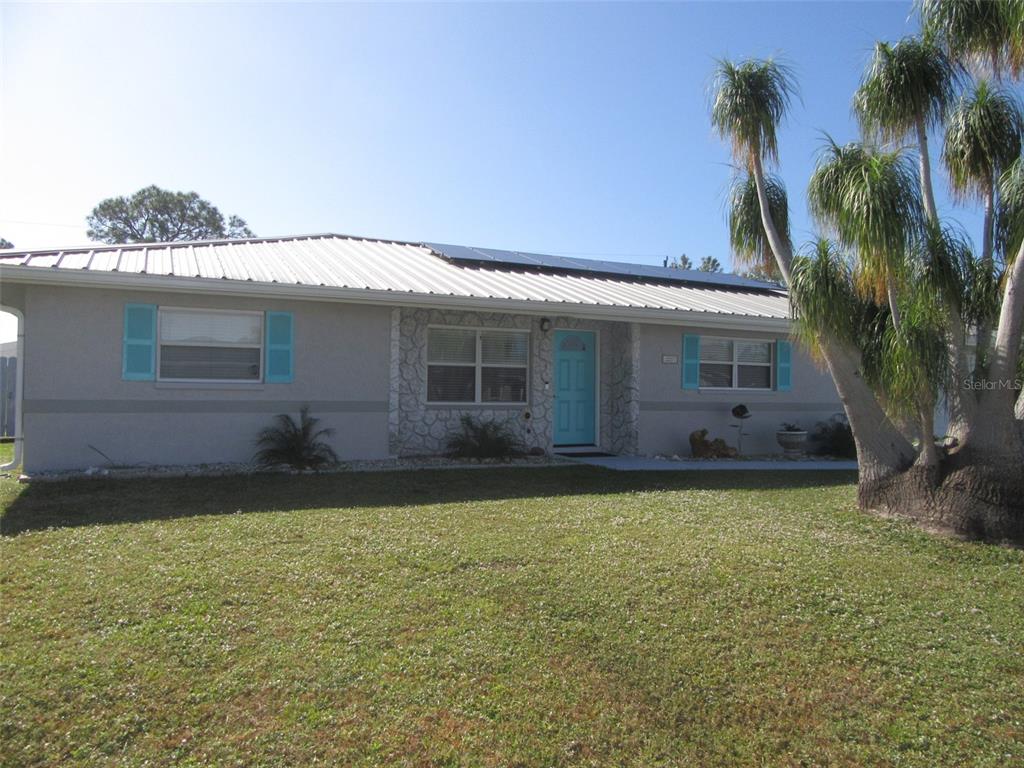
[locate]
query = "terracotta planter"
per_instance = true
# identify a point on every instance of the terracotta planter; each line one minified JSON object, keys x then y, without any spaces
{"x":793,"y":443}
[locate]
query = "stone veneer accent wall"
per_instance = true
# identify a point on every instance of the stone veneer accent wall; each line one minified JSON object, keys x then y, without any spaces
{"x":416,"y":428}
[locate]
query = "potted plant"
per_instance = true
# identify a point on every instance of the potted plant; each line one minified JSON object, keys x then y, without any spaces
{"x":792,"y":438}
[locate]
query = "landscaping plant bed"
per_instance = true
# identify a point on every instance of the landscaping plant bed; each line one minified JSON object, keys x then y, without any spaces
{"x":228,"y":469}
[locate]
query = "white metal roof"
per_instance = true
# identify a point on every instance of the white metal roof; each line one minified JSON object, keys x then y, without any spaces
{"x":360,"y":269}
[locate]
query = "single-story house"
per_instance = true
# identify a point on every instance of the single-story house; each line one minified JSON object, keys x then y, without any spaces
{"x":180,"y":353}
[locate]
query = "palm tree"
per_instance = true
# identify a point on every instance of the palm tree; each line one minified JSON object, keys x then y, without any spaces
{"x":890,"y":243}
{"x":984,"y":33}
{"x":299,"y":445}
{"x":983,"y":137}
{"x":751,"y":99}
{"x":871,"y":200}
{"x":906,"y":90}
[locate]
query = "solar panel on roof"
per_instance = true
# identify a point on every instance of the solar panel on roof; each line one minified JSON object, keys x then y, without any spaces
{"x":462,"y":253}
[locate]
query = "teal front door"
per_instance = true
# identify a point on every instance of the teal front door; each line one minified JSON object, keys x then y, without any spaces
{"x":575,"y":388}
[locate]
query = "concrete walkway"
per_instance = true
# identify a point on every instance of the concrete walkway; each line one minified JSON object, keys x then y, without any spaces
{"x":645,"y":464}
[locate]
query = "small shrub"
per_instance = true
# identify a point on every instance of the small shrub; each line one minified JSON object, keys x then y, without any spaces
{"x":300,"y":446}
{"x":834,"y":438}
{"x":482,"y":439}
{"x":789,"y":426}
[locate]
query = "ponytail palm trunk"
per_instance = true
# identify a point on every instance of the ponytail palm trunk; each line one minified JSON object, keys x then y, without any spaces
{"x":927,"y":188}
{"x":1005,"y":402}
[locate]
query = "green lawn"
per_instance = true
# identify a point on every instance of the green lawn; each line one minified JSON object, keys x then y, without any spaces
{"x":523,"y":617}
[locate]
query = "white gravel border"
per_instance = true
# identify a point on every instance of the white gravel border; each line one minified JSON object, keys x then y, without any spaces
{"x":241,"y":469}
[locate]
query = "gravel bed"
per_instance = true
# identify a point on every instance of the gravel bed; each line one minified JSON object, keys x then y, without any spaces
{"x":229,"y":469}
{"x":753,"y":457}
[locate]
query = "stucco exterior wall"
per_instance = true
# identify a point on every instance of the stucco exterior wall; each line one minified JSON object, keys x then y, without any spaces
{"x":416,"y":427}
{"x":668,"y":413}
{"x":75,"y":397}
{"x":362,"y":369}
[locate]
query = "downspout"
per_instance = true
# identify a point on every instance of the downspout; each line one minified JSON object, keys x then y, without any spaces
{"x":19,"y":388}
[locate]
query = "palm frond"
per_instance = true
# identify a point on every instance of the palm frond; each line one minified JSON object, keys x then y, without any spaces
{"x":906,"y":368}
{"x":982,"y":297}
{"x":746,"y":228}
{"x":870,"y":200}
{"x":984,"y":133}
{"x":982,"y":34}
{"x":1015,"y":58}
{"x":749,"y":102}
{"x":299,"y":445}
{"x":942,"y":260}
{"x":822,"y":293}
{"x":905,"y":82}
{"x":912,"y":366}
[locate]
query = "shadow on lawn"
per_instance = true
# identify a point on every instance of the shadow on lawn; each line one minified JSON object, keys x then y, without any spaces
{"x":99,"y":502}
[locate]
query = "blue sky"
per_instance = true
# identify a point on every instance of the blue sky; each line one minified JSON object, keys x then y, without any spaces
{"x":573,"y":128}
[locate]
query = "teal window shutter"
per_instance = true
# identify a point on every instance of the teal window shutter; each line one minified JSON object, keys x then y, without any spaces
{"x":138,"y":352}
{"x":783,"y":365}
{"x":280,"y":355}
{"x":691,"y":362}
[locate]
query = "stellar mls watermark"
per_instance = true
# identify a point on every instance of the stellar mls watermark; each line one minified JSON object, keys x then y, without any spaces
{"x":989,"y":385}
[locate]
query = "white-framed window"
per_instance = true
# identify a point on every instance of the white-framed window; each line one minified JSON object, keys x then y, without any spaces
{"x":477,"y":365}
{"x":209,"y":345}
{"x":735,"y":363}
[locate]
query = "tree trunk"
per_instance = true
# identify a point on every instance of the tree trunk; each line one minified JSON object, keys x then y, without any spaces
{"x":882,"y":451}
{"x":981,"y":489}
{"x":927,"y":455}
{"x":984,"y":330}
{"x":959,"y":401}
{"x":927,"y":191}
{"x":890,"y":291}
{"x":783,"y":251}
{"x":1006,"y":349}
{"x":988,"y":222}
{"x":978,"y":490}
{"x":975,"y":493}
{"x":982,"y":494}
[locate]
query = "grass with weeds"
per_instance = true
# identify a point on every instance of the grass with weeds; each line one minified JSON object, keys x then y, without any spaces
{"x":519,"y":617}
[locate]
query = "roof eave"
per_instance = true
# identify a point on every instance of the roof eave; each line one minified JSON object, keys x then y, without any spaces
{"x":223,"y":287}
